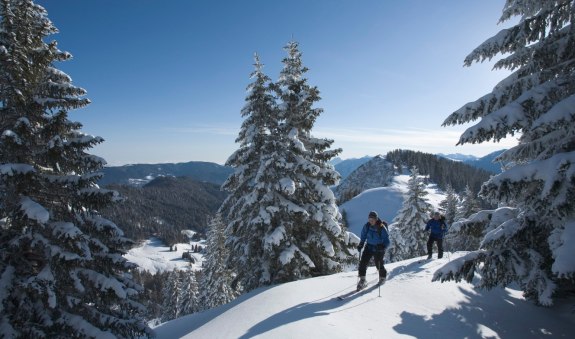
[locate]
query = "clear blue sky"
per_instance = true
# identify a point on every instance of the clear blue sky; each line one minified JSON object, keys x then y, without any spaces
{"x":167,"y":79}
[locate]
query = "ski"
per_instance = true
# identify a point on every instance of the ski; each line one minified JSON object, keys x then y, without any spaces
{"x":372,"y":285}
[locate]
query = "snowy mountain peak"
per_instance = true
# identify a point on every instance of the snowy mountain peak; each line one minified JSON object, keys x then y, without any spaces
{"x":377,"y":172}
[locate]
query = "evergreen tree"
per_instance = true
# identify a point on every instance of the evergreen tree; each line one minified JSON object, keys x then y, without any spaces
{"x":171,"y":295}
{"x":283,"y":223}
{"x":536,"y":101}
{"x":61,"y":264}
{"x":411,"y":220}
{"x":216,"y":278}
{"x":469,"y":204}
{"x":449,"y":205}
{"x":188,"y":293}
{"x":249,"y":184}
{"x":308,"y":238}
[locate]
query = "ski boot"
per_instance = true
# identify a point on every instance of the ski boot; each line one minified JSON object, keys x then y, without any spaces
{"x":361,"y":284}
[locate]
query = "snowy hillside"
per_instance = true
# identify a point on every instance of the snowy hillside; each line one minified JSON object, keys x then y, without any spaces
{"x":410,"y":305}
{"x":385,"y":200}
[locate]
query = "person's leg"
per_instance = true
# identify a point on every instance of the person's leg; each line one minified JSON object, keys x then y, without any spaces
{"x":365,"y":256}
{"x":429,"y":247}
{"x":439,"y":248}
{"x":379,"y":264}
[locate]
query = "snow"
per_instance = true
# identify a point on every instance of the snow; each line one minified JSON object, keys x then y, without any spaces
{"x":410,"y":305}
{"x":12,"y":169}
{"x":153,"y":256}
{"x":34,"y":210}
{"x":564,"y":263}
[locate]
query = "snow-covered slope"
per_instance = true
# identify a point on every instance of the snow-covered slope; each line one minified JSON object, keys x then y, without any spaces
{"x":385,"y":200}
{"x":410,"y":306}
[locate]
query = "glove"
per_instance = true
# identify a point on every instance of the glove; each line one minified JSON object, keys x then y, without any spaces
{"x":360,"y":246}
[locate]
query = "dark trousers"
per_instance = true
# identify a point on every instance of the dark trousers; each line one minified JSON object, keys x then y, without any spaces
{"x":366,"y":257}
{"x":439,"y":242}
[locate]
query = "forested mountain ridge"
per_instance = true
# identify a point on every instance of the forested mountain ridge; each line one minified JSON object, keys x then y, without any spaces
{"x":441,"y":171}
{"x":139,"y":174}
{"x":164,"y":207}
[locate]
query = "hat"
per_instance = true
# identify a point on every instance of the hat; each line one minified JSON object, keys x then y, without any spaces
{"x":373,"y":214}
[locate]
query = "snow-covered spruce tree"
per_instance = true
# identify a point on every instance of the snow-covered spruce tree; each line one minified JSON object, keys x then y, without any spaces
{"x":189,"y":295}
{"x":537,"y":101}
{"x":307,"y":237}
{"x":469,"y":204}
{"x":449,"y":205}
{"x":283,"y":224}
{"x":257,"y":140}
{"x":410,"y":221}
{"x":61,"y":265}
{"x":171,"y":296}
{"x":216,"y":279}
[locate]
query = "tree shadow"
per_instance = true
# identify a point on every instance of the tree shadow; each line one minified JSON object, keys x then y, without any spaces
{"x":303,"y":311}
{"x":487,"y":314}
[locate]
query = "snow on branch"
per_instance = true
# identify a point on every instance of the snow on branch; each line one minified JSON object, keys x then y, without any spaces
{"x":460,"y":268}
{"x":559,"y":168}
{"x":13,"y":169}
{"x":33,"y":210}
{"x":563,"y":244}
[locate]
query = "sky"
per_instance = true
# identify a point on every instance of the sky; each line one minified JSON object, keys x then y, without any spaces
{"x":167,"y":79}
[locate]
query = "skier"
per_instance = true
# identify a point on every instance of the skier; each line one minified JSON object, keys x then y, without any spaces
{"x":375,"y":233}
{"x":438,"y":227}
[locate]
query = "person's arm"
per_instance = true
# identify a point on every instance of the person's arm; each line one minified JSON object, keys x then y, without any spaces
{"x":362,"y":237}
{"x":427,"y":226}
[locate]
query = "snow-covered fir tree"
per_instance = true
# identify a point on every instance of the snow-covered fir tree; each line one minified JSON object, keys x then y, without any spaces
{"x":249,"y":185}
{"x":409,"y":224}
{"x":189,"y":293}
{"x":449,"y":205}
{"x":61,"y":264}
{"x":284,"y":224}
{"x":216,"y":280}
{"x":308,"y":238}
{"x":468,"y":204}
{"x":171,"y":296}
{"x":537,"y":101}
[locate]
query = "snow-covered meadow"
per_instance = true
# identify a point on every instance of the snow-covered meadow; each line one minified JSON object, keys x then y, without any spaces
{"x":154,"y":256}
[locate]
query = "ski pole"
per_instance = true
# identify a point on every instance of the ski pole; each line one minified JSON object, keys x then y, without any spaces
{"x":358,"y":264}
{"x":379,"y":274}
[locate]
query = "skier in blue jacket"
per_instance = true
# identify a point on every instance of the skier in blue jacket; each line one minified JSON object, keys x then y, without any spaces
{"x":375,"y":235}
{"x":438,"y":227}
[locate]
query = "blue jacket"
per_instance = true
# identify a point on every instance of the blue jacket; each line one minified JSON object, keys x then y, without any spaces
{"x":374,"y":235}
{"x":437,"y":227}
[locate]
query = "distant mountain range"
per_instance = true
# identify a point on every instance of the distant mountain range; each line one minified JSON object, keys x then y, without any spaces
{"x":141,"y":174}
{"x":485,"y":162}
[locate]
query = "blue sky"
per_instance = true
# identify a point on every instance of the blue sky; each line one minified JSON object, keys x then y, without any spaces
{"x":167,"y":79}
